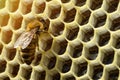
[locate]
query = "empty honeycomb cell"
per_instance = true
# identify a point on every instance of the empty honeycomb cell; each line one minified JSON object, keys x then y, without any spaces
{"x":69,"y":15}
{"x":96,"y":4}
{"x":92,"y":52}
{"x":6,"y":36}
{"x":116,"y":43}
{"x":13,"y":69}
{"x":100,"y":20}
{"x":107,"y":56}
{"x":87,"y":34}
{"x":59,"y":46}
{"x":55,"y":76}
{"x":85,"y":15}
{"x":72,"y":32}
{"x":80,"y":2}
{"x":57,"y":28}
{"x":112,"y":5}
{"x":2,"y":3}
{"x":81,"y":68}
{"x":26,"y":6}
{"x":115,"y":24}
{"x":97,"y":72}
{"x":69,"y":77}
{"x":76,"y":50}
{"x":26,"y":72}
{"x":40,"y":7}
{"x":3,"y":64}
{"x":113,"y":74}
{"x":1,"y":47}
{"x":54,"y":11}
{"x":16,"y":21}
{"x":10,"y":54}
{"x":104,"y":39}
{"x":13,"y":5}
{"x":5,"y":77}
{"x":65,"y":1}
{"x":65,"y":65}
{"x":39,"y":75}
{"x":4,"y":18}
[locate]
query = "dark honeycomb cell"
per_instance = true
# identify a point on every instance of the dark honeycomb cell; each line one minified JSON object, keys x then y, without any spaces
{"x":4,"y":18}
{"x":100,"y":21}
{"x":108,"y":56}
{"x":56,"y":76}
{"x":115,"y":24}
{"x":39,"y":75}
{"x":65,"y":1}
{"x":70,"y":77}
{"x":1,"y":47}
{"x":113,"y":74}
{"x":5,"y":77}
{"x":51,"y":62}
{"x":87,"y":34}
{"x":13,"y":5}
{"x":92,"y":52}
{"x":112,"y":5}
{"x":60,"y":46}
{"x":54,"y":11}
{"x":37,"y":59}
{"x":97,"y":72}
{"x":81,"y":68}
{"x":117,"y":42}
{"x":26,"y":72}
{"x":85,"y":17}
{"x":10,"y":54}
{"x":70,"y":15}
{"x":2,"y":65}
{"x":76,"y":50}
{"x":71,"y":33}
{"x":57,"y":28}
{"x":80,"y":2}
{"x":104,"y":39}
{"x":7,"y":36}
{"x":95,"y":4}
{"x":16,"y":21}
{"x":13,"y":69}
{"x":40,"y":7}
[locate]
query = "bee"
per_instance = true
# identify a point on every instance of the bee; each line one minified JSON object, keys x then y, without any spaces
{"x":28,"y":41}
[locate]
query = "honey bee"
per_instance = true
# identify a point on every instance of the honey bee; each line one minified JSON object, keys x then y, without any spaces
{"x":28,"y":41}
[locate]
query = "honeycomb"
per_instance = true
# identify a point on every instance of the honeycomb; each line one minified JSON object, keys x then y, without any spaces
{"x":82,"y":42}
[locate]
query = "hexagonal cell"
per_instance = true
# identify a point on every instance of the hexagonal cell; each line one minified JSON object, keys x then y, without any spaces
{"x":85,"y":15}
{"x":4,"y":18}
{"x":57,"y":28}
{"x":65,"y":1}
{"x":3,"y":64}
{"x":75,"y":50}
{"x":80,"y":68}
{"x":39,"y":7}
{"x":26,"y":6}
{"x":39,"y":75}
{"x":69,"y":15}
{"x":97,"y":72}
{"x":116,"y":43}
{"x":100,"y":20}
{"x":13,"y":69}
{"x":103,"y":39}
{"x":64,"y":65}
{"x":80,"y":2}
{"x":26,"y":72}
{"x":6,"y":36}
{"x":113,"y":74}
{"x":96,"y":4}
{"x":54,"y":76}
{"x":91,"y":52}
{"x":107,"y":56}
{"x":69,"y":77}
{"x":2,"y":3}
{"x":54,"y":11}
{"x":13,"y":5}
{"x":1,"y":47}
{"x":16,"y":21}
{"x":72,"y":32}
{"x":4,"y":77}
{"x":59,"y":46}
{"x":112,"y":5}
{"x":115,"y":24}
{"x":87,"y":34}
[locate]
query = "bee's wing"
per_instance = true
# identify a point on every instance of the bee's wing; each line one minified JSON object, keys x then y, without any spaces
{"x":24,"y":40}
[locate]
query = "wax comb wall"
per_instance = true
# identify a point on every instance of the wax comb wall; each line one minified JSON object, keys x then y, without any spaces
{"x":82,"y":42}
